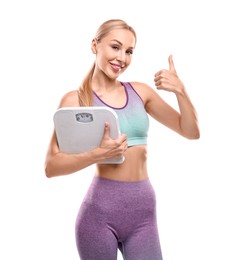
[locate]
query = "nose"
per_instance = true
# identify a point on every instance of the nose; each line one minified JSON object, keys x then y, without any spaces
{"x":121,"y":56}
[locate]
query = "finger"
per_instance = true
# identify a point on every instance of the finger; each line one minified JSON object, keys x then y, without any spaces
{"x":157,"y":74}
{"x":171,"y":64}
{"x":123,"y":138}
{"x":107,"y":130}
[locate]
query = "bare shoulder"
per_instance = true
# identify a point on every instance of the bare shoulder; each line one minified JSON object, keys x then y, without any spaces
{"x":70,"y":99}
{"x":144,"y":90}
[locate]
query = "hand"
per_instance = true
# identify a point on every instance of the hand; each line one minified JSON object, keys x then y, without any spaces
{"x":168,"y":79}
{"x":113,"y":148}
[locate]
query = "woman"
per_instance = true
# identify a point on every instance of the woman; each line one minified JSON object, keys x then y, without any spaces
{"x":119,"y":209}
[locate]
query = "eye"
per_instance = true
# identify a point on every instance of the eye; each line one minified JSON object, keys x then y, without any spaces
{"x":129,"y":52}
{"x":115,"y":47}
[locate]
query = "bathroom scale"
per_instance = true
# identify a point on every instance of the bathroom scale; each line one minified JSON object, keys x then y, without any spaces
{"x":80,"y":129}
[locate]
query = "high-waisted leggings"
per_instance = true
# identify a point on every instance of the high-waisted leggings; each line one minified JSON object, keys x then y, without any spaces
{"x":118,"y":215}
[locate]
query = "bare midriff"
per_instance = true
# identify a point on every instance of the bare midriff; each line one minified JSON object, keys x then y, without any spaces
{"x":134,"y":167}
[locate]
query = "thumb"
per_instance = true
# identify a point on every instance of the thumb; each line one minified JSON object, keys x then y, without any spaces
{"x":107,"y":130}
{"x":171,"y":64}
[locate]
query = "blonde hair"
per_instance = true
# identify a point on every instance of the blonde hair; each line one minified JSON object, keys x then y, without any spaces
{"x":85,"y":90}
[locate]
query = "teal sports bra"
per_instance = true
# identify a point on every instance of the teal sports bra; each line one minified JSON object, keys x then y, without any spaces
{"x":133,"y":119}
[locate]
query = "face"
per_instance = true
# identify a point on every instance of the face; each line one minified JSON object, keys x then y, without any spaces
{"x":114,"y":52}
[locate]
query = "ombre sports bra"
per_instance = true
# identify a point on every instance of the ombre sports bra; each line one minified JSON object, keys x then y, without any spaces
{"x":133,"y":119}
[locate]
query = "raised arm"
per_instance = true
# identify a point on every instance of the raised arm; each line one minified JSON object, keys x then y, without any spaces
{"x":184,"y":121}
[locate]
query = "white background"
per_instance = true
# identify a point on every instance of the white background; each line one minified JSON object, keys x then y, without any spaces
{"x":45,"y":52}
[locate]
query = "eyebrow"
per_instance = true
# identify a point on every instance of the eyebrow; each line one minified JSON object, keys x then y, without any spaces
{"x":121,"y":43}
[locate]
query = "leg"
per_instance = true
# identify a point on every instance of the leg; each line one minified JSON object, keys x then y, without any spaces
{"x":93,"y":238}
{"x":144,"y":244}
{"x":141,"y":239}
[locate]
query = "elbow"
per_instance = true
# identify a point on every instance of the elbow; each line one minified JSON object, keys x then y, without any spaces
{"x":197,"y":136}
{"x":51,"y":168}
{"x":48,"y":166}
{"x":194,"y":135}
{"x":191,"y":132}
{"x":49,"y":171}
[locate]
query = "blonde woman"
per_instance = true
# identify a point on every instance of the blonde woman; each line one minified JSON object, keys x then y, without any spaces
{"x":119,"y":209}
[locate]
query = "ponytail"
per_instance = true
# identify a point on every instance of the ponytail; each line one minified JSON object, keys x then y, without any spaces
{"x":85,"y":90}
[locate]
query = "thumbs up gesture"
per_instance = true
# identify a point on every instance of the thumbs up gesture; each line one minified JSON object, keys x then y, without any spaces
{"x":168,"y":79}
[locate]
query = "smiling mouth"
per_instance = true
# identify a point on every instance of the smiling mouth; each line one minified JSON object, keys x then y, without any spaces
{"x":116,"y":67}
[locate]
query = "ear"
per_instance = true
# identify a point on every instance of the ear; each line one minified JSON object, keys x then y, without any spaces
{"x":94,"y":46}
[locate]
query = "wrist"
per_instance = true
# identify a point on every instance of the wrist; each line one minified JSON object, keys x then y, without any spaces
{"x":97,"y":155}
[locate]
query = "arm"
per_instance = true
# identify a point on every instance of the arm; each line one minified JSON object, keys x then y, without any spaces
{"x":58,"y":163}
{"x":184,"y":121}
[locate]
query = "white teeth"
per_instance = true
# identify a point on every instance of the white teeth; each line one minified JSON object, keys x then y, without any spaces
{"x":117,"y":67}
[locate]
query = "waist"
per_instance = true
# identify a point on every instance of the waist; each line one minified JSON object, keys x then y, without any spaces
{"x":134,"y":168}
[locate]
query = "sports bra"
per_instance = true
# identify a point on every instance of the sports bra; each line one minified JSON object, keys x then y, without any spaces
{"x":133,"y":119}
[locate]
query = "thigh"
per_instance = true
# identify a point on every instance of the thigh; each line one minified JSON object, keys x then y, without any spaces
{"x":93,"y":238}
{"x":144,"y":244}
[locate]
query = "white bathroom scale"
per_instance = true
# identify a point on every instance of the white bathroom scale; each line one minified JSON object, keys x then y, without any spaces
{"x":80,"y":129}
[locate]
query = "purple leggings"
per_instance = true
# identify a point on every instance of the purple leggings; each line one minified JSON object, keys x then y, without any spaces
{"x":116,"y":214}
